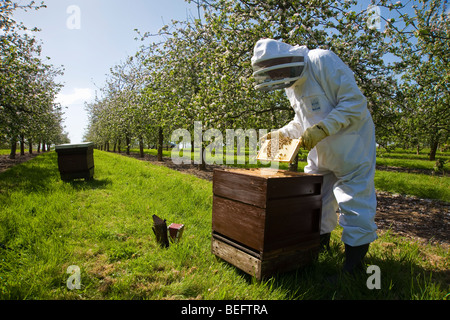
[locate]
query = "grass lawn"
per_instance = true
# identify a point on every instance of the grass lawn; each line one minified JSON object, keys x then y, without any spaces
{"x":419,"y":185}
{"x":103,"y":226}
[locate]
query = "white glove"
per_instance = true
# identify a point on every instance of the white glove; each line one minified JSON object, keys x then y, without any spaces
{"x":313,"y":135}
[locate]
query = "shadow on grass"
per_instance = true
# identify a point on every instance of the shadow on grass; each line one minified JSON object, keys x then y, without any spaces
{"x":39,"y":175}
{"x":32,"y":176}
{"x":81,"y":184}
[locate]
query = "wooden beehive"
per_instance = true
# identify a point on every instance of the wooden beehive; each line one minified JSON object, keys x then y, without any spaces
{"x":76,"y":161}
{"x":266,"y":221}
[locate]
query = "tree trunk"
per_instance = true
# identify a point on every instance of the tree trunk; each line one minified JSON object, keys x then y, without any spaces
{"x":192,"y":149}
{"x":118,"y":146}
{"x":22,"y":145}
{"x":12,"y":154}
{"x":127,"y":140}
{"x":30,"y":146}
{"x":39,"y":147}
{"x":202,"y":164}
{"x":434,"y":145}
{"x":43,"y":146}
{"x":160,"y":144}
{"x":141,"y":147}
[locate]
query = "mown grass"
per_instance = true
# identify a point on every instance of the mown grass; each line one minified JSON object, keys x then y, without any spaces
{"x":420,"y":185}
{"x":411,"y":160}
{"x":411,"y":163}
{"x":104,"y":227}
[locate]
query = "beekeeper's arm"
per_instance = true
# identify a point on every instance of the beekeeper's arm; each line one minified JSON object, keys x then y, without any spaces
{"x":340,"y":87}
{"x":292,"y":130}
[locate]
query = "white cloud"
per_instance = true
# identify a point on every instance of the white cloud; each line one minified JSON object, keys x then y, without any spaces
{"x":78,"y":95}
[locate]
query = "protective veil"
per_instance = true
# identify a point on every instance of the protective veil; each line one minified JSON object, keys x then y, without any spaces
{"x":327,"y":93}
{"x":272,"y":71}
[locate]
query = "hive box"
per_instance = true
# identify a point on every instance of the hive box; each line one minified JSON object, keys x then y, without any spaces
{"x":266,"y":221}
{"x":76,"y":161}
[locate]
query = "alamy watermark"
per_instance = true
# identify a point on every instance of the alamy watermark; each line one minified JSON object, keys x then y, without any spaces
{"x":374,"y":280}
{"x":235,"y":143}
{"x":74,"y":281}
{"x":73,"y":22}
{"x":374,"y":17}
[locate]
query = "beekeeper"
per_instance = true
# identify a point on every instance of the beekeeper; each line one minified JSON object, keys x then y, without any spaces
{"x":333,"y":122}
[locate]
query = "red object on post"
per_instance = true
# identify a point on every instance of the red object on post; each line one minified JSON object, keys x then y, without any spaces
{"x":175,"y":231}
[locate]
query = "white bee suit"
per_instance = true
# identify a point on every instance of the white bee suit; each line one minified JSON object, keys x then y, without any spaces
{"x":327,"y":92}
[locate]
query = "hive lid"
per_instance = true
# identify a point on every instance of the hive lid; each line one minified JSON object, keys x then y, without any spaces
{"x":72,"y":146}
{"x":266,"y":172}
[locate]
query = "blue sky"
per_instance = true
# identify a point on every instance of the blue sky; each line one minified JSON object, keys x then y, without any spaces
{"x":105,"y":38}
